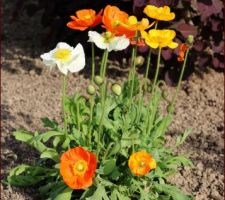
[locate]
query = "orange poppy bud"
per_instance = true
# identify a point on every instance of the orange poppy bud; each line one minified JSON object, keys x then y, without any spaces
{"x":113,"y":18}
{"x":84,"y":19}
{"x":182,"y":49}
{"x":77,"y":167}
{"x":140,"y":163}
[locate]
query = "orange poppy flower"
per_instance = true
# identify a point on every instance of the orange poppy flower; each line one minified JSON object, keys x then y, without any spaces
{"x":113,"y":18}
{"x":77,"y":167}
{"x":182,"y":49}
{"x":84,"y":19}
{"x":140,"y":163}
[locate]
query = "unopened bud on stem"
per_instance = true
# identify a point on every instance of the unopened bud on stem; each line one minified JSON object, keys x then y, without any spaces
{"x":116,"y":88}
{"x":190,"y":39}
{"x":98,"y":80}
{"x":91,"y":90}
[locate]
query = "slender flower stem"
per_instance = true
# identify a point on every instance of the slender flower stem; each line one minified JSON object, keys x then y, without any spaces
{"x":64,"y":85}
{"x":90,"y":120}
{"x":149,"y":57}
{"x":153,"y":91}
{"x":105,"y":64}
{"x":179,"y":83}
{"x":78,"y":116}
{"x":104,"y":94}
{"x":93,"y":62}
{"x":134,"y":53}
{"x":157,"y":71}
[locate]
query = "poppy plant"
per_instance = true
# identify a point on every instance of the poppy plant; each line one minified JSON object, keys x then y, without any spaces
{"x":84,"y":19}
{"x":159,"y":13}
{"x":140,"y":163}
{"x":77,"y":167}
{"x":114,"y":19}
{"x":160,"y":38}
{"x":182,"y":49}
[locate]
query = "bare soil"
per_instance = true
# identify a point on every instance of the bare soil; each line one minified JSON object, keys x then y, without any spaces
{"x":30,"y":92}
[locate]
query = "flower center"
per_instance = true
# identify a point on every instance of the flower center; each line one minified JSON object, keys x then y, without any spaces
{"x":142,"y":164}
{"x":108,"y":36}
{"x":62,"y":54}
{"x":80,"y":167}
{"x":88,"y":17}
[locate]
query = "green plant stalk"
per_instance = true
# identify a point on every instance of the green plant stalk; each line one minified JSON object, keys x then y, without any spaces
{"x":90,"y":120}
{"x":179,"y":82}
{"x":105,"y":64}
{"x":157,"y":71}
{"x":153,"y":90}
{"x":133,"y":74}
{"x":64,"y":85}
{"x":93,"y":62}
{"x":78,"y":116}
{"x":132,"y":61}
{"x":149,"y":56}
{"x":102,"y":63}
{"x":104,"y":94}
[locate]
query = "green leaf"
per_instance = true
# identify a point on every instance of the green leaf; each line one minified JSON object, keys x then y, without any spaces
{"x":25,"y":175}
{"x":46,"y":136}
{"x":109,"y":166}
{"x":173,"y":191}
{"x":49,"y":123}
{"x":51,"y":154}
{"x":181,"y":138}
{"x":100,"y":194}
{"x":23,"y":136}
{"x":65,"y":195}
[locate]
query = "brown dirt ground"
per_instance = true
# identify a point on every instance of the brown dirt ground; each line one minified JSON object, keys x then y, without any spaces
{"x":30,"y":92}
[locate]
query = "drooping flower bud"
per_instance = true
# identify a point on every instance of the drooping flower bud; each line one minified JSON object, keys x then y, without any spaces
{"x":139,"y":60}
{"x":116,"y":88}
{"x":98,"y":80}
{"x":91,"y":90}
{"x":190,"y":39}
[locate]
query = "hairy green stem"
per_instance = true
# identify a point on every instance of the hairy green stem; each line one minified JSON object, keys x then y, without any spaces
{"x":179,"y":82}
{"x":90,"y":120}
{"x":93,"y":62}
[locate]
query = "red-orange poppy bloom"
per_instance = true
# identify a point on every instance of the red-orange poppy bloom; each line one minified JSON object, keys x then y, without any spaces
{"x":182,"y":49}
{"x":77,"y":167}
{"x":140,"y":163}
{"x":84,"y":19}
{"x":114,"y":20}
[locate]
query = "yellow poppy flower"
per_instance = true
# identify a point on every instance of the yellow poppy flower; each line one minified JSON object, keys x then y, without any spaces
{"x":134,"y":25}
{"x":159,"y":13}
{"x":160,"y":38}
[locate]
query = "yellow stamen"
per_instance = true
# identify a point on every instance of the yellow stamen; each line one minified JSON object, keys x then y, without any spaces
{"x":80,"y":167}
{"x":62,"y":54}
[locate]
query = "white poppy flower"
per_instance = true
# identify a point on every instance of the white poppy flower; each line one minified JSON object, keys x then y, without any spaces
{"x":108,"y":41}
{"x":65,"y":57}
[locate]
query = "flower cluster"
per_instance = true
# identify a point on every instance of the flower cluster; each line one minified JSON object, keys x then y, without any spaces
{"x":111,"y":143}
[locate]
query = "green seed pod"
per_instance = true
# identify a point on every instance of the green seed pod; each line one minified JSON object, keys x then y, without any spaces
{"x":116,"y":88}
{"x":139,"y":60}
{"x":91,"y":90}
{"x":98,"y":80}
{"x":190,"y":39}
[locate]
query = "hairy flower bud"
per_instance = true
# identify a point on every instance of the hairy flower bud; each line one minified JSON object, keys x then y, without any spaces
{"x":91,"y":90}
{"x":139,"y":60}
{"x":116,"y":88}
{"x":98,"y":80}
{"x":190,"y":39}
